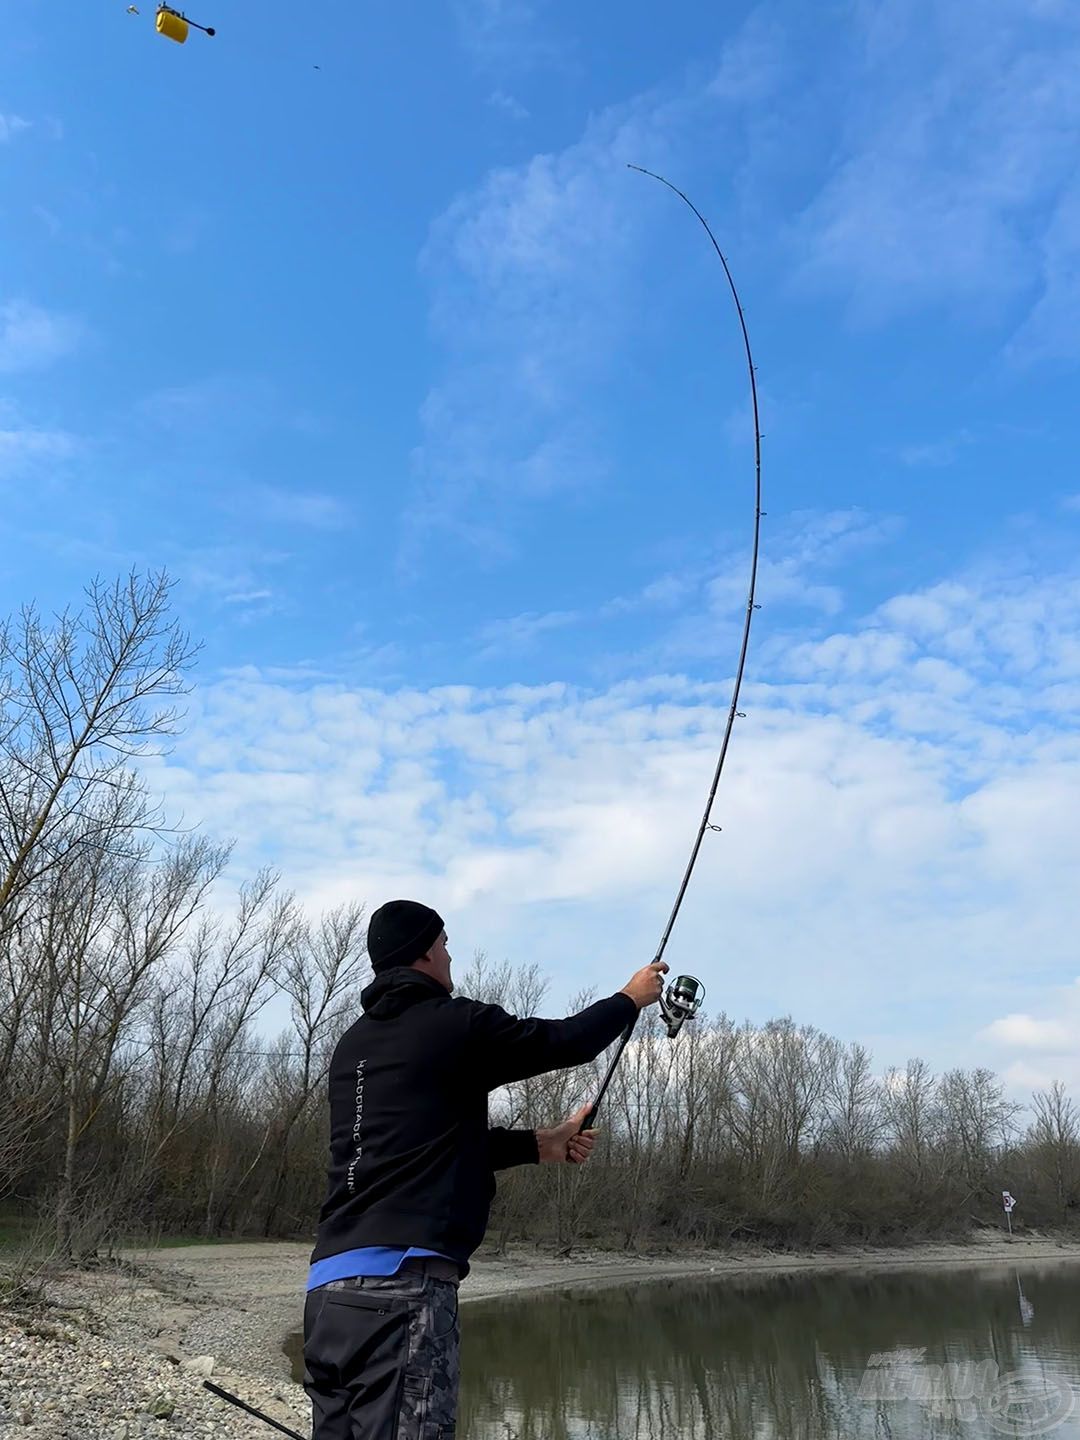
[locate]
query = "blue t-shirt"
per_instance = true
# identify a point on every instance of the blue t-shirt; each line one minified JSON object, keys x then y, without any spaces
{"x":369,"y":1260}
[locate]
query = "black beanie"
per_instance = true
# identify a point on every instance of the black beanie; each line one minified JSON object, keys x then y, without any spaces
{"x":400,"y":932}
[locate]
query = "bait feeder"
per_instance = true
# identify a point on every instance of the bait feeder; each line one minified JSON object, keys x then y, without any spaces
{"x":174,"y":26}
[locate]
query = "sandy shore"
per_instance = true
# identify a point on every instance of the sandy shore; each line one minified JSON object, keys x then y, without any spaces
{"x":114,"y":1345}
{"x":270,"y":1277}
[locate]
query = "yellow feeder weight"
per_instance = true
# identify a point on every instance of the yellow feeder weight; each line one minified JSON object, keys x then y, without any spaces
{"x":175,"y":26}
{"x":172,"y":26}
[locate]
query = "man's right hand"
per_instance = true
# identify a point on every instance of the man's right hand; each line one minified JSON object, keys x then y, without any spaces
{"x":646,"y":987}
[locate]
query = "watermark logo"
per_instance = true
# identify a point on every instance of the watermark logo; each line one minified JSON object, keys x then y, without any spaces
{"x":1015,"y":1403}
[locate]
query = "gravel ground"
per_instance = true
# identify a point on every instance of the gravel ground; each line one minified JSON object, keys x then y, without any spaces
{"x":120,"y":1356}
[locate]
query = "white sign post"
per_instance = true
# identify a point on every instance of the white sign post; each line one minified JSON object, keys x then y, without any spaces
{"x":1007,"y":1203}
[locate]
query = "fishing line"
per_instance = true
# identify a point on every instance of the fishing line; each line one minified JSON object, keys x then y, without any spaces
{"x":683,"y":998}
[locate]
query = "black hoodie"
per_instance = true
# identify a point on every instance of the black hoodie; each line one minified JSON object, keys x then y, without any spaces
{"x":412,"y":1160}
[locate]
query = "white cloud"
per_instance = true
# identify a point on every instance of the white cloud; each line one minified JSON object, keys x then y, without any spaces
{"x":959,"y":151}
{"x":936,"y":454}
{"x":782,"y":581}
{"x":11,"y":126}
{"x":1034,"y":1050}
{"x":235,"y":402}
{"x":755,"y":61}
{"x":26,"y":448}
{"x":508,"y":105}
{"x":309,"y":508}
{"x":896,"y":831}
{"x":869,"y":654}
{"x":1024,"y":1032}
{"x":506,"y":35}
{"x":525,"y":287}
{"x":537,"y":284}
{"x":517,"y":632}
{"x":703,"y":598}
{"x":666,"y":592}
{"x":22,"y":448}
{"x":233,"y":575}
{"x":247,"y":597}
{"x":806,"y":545}
{"x":1050,"y":330}
{"x":31,"y":337}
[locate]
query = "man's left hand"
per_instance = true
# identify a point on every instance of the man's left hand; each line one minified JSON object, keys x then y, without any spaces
{"x":563,"y":1145}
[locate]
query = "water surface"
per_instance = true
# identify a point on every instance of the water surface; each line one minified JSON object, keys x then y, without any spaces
{"x":908,"y":1355}
{"x":824,"y":1357}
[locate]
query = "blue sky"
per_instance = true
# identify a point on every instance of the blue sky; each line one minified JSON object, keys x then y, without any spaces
{"x":438,"y":415}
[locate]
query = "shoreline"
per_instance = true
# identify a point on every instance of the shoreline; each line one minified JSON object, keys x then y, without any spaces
{"x":488,"y":1282}
{"x":114,"y":1343}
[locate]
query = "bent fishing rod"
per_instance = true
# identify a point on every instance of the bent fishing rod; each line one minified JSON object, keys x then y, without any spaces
{"x":683,"y":997}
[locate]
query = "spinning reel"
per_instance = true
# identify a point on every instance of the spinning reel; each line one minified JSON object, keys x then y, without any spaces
{"x":680,"y":1002}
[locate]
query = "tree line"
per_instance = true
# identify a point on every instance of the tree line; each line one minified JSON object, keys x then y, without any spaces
{"x":140,"y":1094}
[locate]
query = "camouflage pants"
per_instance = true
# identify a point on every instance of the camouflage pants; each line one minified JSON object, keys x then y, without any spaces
{"x":381,"y":1358}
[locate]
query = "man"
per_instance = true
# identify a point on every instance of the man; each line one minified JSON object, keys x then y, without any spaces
{"x":412,"y":1164}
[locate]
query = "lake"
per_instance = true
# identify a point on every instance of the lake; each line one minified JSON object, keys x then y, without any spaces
{"x":970,"y":1354}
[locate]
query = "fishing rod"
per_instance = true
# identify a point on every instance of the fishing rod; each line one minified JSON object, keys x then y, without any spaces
{"x":250,"y":1410}
{"x":683,"y":997}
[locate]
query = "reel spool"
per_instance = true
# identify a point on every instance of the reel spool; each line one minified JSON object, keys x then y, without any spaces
{"x":681,"y":1002}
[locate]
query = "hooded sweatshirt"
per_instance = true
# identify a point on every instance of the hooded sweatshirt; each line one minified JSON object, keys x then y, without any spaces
{"x":412,"y":1159}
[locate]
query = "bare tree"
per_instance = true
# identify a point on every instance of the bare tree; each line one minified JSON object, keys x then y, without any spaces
{"x":913,"y":1118}
{"x":781,"y":1074}
{"x":322,"y":967}
{"x":79,"y":700}
{"x":27,"y":1092}
{"x":856,"y":1118}
{"x":120,"y":918}
{"x":641,"y":1098}
{"x":199,"y":1025}
{"x":977,"y":1122}
{"x":225,"y":975}
{"x":1055,"y":1142}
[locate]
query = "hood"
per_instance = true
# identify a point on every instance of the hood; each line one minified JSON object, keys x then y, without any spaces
{"x":397,"y":990}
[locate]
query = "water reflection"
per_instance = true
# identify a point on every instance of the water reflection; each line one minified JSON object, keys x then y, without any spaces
{"x":777,"y":1357}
